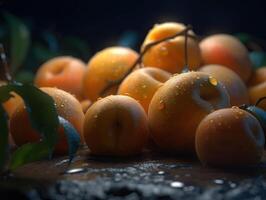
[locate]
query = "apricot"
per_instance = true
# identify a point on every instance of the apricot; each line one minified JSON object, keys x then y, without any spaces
{"x":234,"y":85}
{"x":257,"y":92}
{"x":116,"y":126}
{"x":64,"y":72}
{"x":85,"y":104}
{"x":227,"y":50}
{"x":257,"y":87}
{"x":169,"y":55}
{"x":11,"y":105}
{"x":110,"y":64}
{"x":179,"y":105}
{"x":258,"y":76}
{"x":230,"y":137}
{"x":67,"y":107}
{"x":143,"y":83}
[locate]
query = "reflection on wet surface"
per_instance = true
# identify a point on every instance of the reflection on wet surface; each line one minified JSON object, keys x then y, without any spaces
{"x":150,"y":169}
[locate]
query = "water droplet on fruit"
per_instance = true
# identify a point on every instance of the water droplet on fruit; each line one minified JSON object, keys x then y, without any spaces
{"x":161,"y":105}
{"x":75,"y":171}
{"x":144,"y":86}
{"x":62,"y":105}
{"x":218,"y":181}
{"x":175,"y":74}
{"x":164,"y":51}
{"x":177,"y":184}
{"x":213,"y":81}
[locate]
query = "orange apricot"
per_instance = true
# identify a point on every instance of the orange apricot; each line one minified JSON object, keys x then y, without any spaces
{"x":257,"y":87}
{"x":169,"y":55}
{"x":230,"y":137}
{"x":227,"y":50}
{"x":143,"y":83}
{"x":116,"y":126}
{"x":179,"y":105}
{"x":67,"y":107}
{"x":258,"y":76}
{"x":11,"y":105}
{"x":234,"y":85}
{"x":64,"y":72}
{"x":110,"y":64}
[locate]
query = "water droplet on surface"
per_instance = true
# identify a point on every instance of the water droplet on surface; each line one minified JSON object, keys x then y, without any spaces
{"x":62,"y":162}
{"x":218,"y":181}
{"x":232,"y":184}
{"x":213,"y":81}
{"x":75,"y":171}
{"x":161,"y":105}
{"x":95,"y":116}
{"x":161,"y":172}
{"x":177,"y":184}
{"x":62,"y":105}
{"x":189,"y":188}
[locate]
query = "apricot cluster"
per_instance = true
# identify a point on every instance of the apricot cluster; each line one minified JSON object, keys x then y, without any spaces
{"x":130,"y":99}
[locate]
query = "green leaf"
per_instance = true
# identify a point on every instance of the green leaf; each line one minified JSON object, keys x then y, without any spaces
{"x":76,"y":47}
{"x":3,"y":137}
{"x":73,"y":137}
{"x":25,"y":77}
{"x":19,"y":40}
{"x":128,"y":39}
{"x":29,"y":153}
{"x":243,"y":37}
{"x":259,"y":113}
{"x":41,"y":108}
{"x":258,"y":59}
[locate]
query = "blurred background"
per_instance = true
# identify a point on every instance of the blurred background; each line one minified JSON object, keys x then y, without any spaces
{"x":44,"y":29}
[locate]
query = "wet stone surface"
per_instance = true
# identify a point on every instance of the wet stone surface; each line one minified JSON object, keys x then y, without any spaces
{"x":148,"y":177}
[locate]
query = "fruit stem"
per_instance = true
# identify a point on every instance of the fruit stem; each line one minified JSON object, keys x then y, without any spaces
{"x":186,"y":50}
{"x":145,"y":50}
{"x":5,"y":70}
{"x":260,"y":100}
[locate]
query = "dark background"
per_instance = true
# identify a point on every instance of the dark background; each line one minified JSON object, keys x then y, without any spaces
{"x":101,"y":23}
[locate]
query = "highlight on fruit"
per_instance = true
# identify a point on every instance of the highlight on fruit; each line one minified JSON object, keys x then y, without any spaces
{"x":190,"y":96}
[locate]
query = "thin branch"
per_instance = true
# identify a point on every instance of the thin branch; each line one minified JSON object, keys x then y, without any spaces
{"x":5,"y":70}
{"x":260,"y":100}
{"x":145,"y":50}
